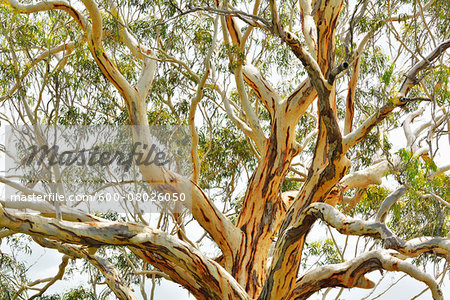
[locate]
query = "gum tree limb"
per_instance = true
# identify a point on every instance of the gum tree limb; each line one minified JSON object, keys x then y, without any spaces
{"x":212,"y":280}
{"x":348,"y":226}
{"x":351,"y":274}
{"x":388,"y":202}
{"x":262,"y":88}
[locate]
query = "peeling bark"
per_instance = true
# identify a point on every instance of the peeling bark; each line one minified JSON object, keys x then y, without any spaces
{"x":210,"y":279}
{"x":351,"y":274}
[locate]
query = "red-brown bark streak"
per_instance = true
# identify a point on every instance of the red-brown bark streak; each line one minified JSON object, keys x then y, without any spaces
{"x":329,"y":162}
{"x":262,"y":211}
{"x":233,"y":30}
{"x":326,"y":36}
{"x":258,"y":93}
{"x":72,"y":12}
{"x":305,"y":289}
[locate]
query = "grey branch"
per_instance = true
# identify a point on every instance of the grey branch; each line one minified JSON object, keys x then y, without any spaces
{"x":388,"y":202}
{"x":351,"y":274}
{"x":335,"y":72}
{"x":350,"y":226}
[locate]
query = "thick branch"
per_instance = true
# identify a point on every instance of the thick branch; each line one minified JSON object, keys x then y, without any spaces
{"x":299,"y":101}
{"x":344,"y":225}
{"x":49,"y":5}
{"x":308,"y":26}
{"x":96,"y":19}
{"x":145,"y":82}
{"x":365,"y":177}
{"x":351,"y":274}
{"x":6,"y":232}
{"x":262,"y":88}
{"x":209,"y":276}
{"x":336,"y":71}
{"x":418,"y":246}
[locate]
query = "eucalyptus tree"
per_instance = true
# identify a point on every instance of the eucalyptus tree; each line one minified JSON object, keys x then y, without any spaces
{"x":296,"y":112}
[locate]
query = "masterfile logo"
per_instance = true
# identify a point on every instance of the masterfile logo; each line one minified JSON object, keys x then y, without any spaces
{"x":96,"y":167}
{"x":96,"y":156}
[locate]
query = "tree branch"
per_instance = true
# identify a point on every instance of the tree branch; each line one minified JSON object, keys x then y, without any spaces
{"x":243,"y":126}
{"x":262,"y":88}
{"x":357,"y":135}
{"x":58,"y":276}
{"x":351,"y":274}
{"x":66,"y":48}
{"x":209,"y":277}
{"x":351,"y":94}
{"x":308,"y":26}
{"x":45,"y":208}
{"x":299,"y":101}
{"x":6,"y":232}
{"x":345,"y":225}
{"x":49,"y":5}
{"x":250,"y":113}
{"x":196,"y":100}
{"x":220,"y":228}
{"x":307,"y":60}
{"x":365,"y":177}
{"x":141,"y":52}
{"x":388,"y":202}
{"x":276,"y":25}
{"x":336,"y":71}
